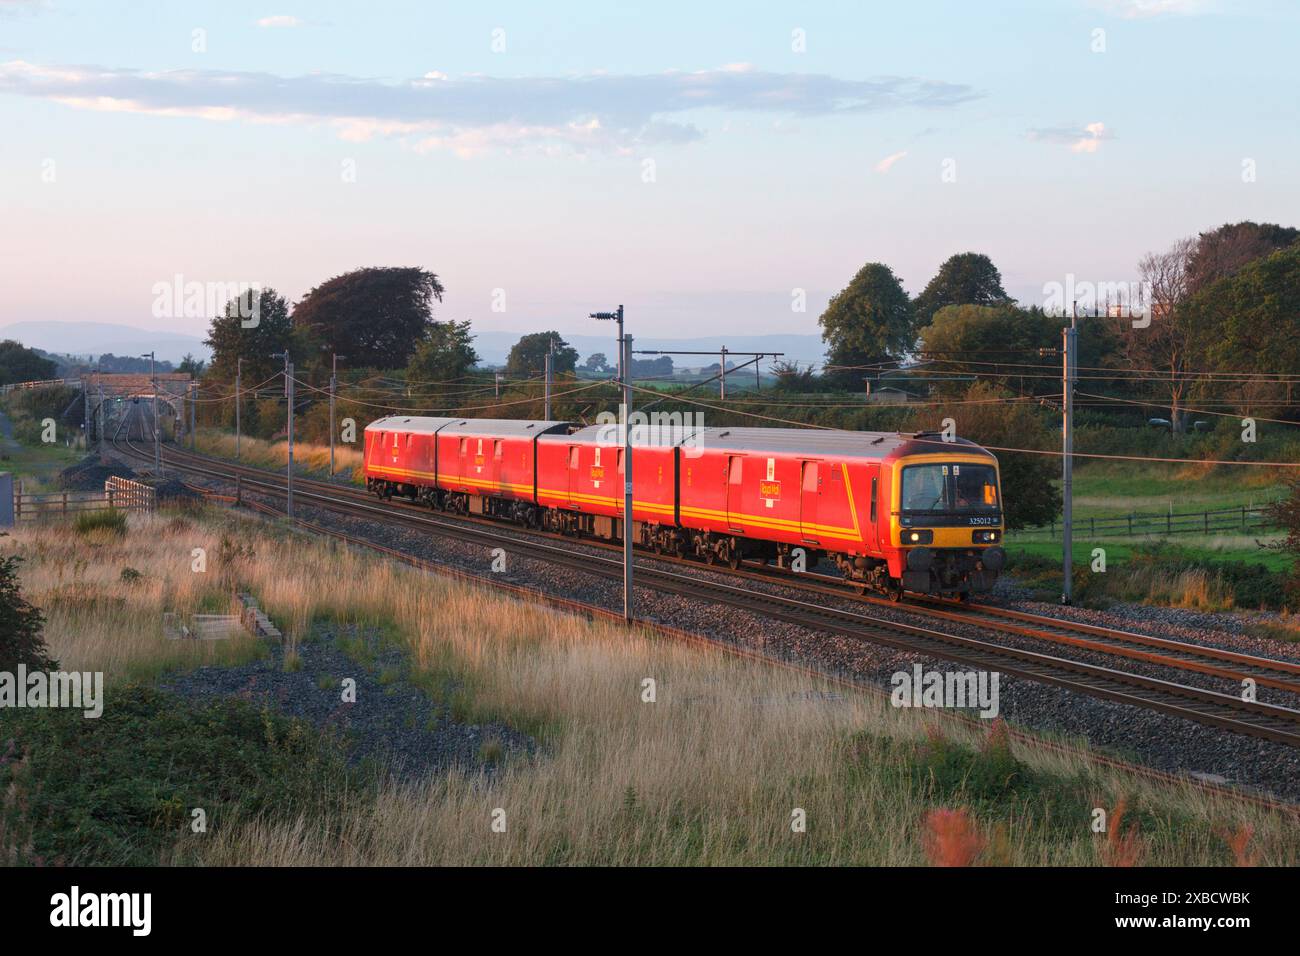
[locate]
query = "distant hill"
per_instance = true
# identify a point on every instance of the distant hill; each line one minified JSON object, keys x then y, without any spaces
{"x":81,"y":339}
{"x":493,"y":346}
{"x":96,"y":338}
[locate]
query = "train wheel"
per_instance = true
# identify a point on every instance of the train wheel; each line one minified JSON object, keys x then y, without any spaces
{"x":733,"y":560}
{"x":710,"y":557}
{"x":894,"y":593}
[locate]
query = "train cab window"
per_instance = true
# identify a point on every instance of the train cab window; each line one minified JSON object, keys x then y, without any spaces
{"x":961,"y":487}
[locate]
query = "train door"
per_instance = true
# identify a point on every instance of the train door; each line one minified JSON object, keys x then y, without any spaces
{"x":735,"y":510}
{"x":810,"y":487}
{"x":574,"y":486}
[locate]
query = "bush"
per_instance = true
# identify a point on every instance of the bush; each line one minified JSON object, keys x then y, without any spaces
{"x":121,"y":789}
{"x":21,"y":625}
{"x":110,"y":519}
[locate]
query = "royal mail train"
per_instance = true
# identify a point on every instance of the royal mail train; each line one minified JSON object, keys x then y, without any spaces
{"x":895,"y":512}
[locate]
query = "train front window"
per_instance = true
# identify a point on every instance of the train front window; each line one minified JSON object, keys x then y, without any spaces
{"x":950,"y":488}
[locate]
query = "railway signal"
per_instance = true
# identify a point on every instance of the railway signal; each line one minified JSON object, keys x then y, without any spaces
{"x":625,"y":414}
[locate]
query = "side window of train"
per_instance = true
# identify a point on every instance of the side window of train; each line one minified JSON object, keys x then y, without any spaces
{"x":463,"y":446}
{"x":497,"y":449}
{"x":874,"y":479}
{"x":573,"y":456}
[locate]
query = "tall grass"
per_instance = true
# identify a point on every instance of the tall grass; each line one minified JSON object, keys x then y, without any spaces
{"x":308,"y":458}
{"x":713,"y":771}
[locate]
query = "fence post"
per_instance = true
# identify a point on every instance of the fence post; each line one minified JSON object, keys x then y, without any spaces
{"x":65,"y":504}
{"x":1243,"y":517}
{"x":6,"y":500}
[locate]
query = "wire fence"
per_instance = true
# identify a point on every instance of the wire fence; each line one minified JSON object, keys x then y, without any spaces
{"x":1240,"y":520}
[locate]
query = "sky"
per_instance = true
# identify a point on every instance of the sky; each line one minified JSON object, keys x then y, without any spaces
{"x":719,"y":168}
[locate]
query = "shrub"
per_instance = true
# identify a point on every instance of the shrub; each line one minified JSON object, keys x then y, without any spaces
{"x":110,"y":519}
{"x":21,"y":625}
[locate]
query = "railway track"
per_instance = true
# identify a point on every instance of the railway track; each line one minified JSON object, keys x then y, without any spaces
{"x":1231,"y":666}
{"x":1227,"y":711}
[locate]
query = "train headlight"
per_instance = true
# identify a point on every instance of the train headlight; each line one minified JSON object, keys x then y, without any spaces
{"x":987,"y":536}
{"x":919,"y":536}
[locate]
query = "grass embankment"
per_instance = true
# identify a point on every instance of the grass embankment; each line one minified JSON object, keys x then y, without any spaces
{"x":1218,"y":571}
{"x":308,"y":459}
{"x":712,"y":772}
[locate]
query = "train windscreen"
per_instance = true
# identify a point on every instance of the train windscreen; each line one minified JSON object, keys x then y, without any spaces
{"x":962,"y":488}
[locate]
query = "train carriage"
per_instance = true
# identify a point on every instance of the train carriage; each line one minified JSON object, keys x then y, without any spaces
{"x":581,"y":477}
{"x":893,"y":512}
{"x":488,"y":466}
{"x":400,"y":455}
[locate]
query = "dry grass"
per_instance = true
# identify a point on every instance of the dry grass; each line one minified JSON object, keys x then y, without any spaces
{"x":709,"y":773}
{"x":307,"y":457}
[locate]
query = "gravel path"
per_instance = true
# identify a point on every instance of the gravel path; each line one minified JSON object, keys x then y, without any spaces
{"x":1158,"y":740}
{"x":392,"y":722}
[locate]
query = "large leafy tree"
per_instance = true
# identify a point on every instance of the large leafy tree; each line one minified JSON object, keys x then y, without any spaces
{"x":1221,"y":252}
{"x":968,"y":278}
{"x":234,"y":335}
{"x":1000,"y":342}
{"x":21,"y":364}
{"x":1250,"y":323}
{"x":376,"y":317}
{"x":528,"y":355}
{"x":867,"y":323}
{"x":444,"y":356}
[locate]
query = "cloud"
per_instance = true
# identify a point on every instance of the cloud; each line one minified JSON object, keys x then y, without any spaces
{"x":597,"y":111}
{"x":1085,"y":140}
{"x":279,"y":21}
{"x":1146,"y":9}
{"x":884,"y":165}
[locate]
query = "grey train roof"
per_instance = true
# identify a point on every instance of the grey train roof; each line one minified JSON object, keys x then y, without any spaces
{"x":818,"y":442}
{"x":423,"y":425}
{"x":409,"y":423}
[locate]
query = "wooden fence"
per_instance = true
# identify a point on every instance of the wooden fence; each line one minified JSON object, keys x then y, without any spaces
{"x":1225,"y":521}
{"x":118,"y":493}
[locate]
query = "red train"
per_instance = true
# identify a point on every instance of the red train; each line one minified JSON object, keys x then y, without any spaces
{"x":893,"y":511}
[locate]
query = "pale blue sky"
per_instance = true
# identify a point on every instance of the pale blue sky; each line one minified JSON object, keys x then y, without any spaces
{"x":524,"y":169}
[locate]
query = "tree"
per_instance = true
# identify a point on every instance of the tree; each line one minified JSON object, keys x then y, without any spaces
{"x":987,"y":416}
{"x":528,"y":355}
{"x":21,"y":625}
{"x":1165,"y":344}
{"x":969,"y":278}
{"x":970,"y":340}
{"x":445,"y":356}
{"x":867,"y":323}
{"x":191,"y":365}
{"x":231,"y":337}
{"x":1223,"y":251}
{"x":661,"y":367}
{"x":1250,"y":323}
{"x":597,"y":362}
{"x":21,"y":364}
{"x":377,"y":317}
